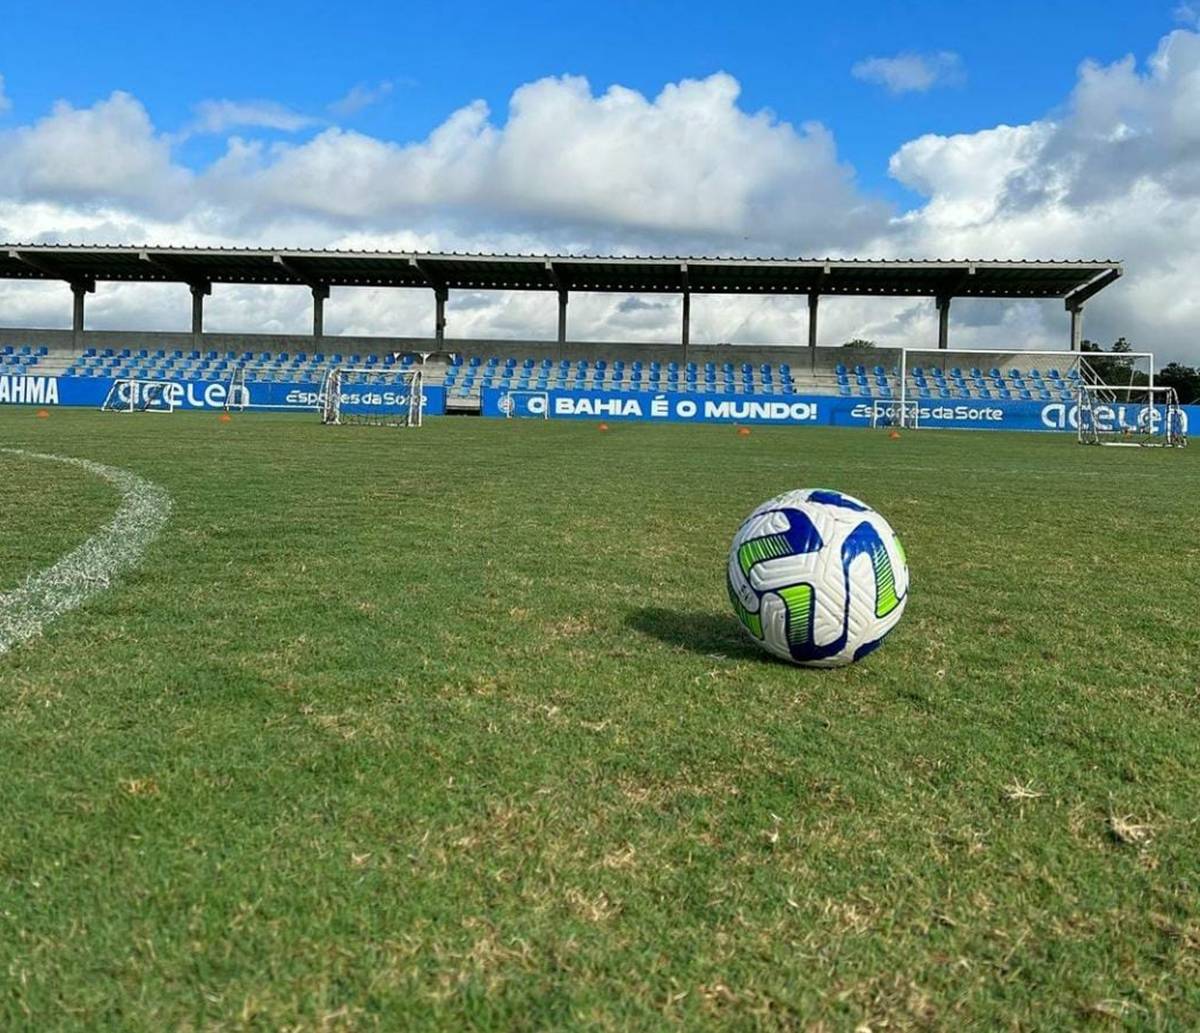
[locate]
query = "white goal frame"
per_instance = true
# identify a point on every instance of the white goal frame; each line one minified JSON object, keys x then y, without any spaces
{"x":335,"y":384}
{"x":139,"y":396}
{"x":236,"y":395}
{"x":509,"y":409}
{"x":1075,"y":360}
{"x":892,"y":412}
{"x":1100,"y":416}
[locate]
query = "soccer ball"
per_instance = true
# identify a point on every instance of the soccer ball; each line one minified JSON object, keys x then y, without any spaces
{"x":817,"y":577}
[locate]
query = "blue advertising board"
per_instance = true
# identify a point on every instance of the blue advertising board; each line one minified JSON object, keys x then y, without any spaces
{"x":212,"y":394}
{"x":806,"y":410}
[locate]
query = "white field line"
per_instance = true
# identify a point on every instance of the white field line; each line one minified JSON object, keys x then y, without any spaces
{"x":90,"y":569}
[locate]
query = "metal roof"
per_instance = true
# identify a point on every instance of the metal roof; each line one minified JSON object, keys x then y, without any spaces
{"x":1071,"y":280}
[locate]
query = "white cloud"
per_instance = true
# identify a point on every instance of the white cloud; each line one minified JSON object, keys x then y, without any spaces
{"x":687,"y":164}
{"x":910,"y":72}
{"x":5,"y":103}
{"x":1187,"y":14}
{"x":219,"y":116}
{"x":358,"y":97}
{"x":1114,"y":172}
{"x":108,"y":153}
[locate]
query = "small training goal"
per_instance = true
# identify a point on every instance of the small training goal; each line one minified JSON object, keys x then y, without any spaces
{"x":1134,"y":416}
{"x":371,"y":397}
{"x":129,"y":395}
{"x":531,"y":405}
{"x":889,"y":412}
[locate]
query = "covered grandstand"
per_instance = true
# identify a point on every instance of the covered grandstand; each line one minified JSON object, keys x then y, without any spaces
{"x":467,"y":370}
{"x":82,"y":267}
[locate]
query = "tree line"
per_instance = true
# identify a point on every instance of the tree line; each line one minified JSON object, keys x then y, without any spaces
{"x":1113,"y":369}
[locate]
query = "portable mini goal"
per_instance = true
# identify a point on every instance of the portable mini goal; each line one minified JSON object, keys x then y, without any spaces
{"x":1130,"y":415}
{"x":371,"y":397}
{"x":889,"y":412}
{"x":129,"y":395}
{"x":532,"y":405}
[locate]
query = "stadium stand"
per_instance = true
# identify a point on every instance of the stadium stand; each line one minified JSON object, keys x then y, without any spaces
{"x":466,"y":374}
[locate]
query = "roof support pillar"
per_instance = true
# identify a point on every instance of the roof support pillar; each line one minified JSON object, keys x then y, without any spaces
{"x":199,"y":290}
{"x":1076,"y":326}
{"x":686,"y":328}
{"x":80,"y":289}
{"x":814,"y":300}
{"x":320,"y":291}
{"x":687,"y":323}
{"x":943,"y":310}
{"x":562,"y":317}
{"x":440,"y":295}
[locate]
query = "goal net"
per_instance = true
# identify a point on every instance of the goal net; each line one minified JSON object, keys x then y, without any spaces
{"x":372,"y":397}
{"x":531,"y":405}
{"x":128,"y":395}
{"x":894,"y":413}
{"x":947,"y":377}
{"x":1133,"y":415}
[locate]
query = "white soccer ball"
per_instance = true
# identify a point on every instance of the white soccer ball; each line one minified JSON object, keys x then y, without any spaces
{"x":817,"y":577}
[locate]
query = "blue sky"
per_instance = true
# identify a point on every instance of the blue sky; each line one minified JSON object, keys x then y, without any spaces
{"x":1019,"y":58}
{"x":868,"y":129}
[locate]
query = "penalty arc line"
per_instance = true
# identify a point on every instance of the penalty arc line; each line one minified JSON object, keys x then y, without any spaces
{"x":91,"y":568}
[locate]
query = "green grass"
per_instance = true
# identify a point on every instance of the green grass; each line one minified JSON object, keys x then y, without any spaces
{"x":454,"y":729}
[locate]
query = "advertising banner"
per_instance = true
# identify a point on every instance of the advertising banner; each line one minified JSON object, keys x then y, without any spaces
{"x":209,"y":394}
{"x":808,"y":410}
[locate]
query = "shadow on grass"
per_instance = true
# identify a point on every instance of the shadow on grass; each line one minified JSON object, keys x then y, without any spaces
{"x":695,"y":631}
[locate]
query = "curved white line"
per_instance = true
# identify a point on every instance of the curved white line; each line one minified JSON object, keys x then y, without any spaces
{"x":90,"y":569}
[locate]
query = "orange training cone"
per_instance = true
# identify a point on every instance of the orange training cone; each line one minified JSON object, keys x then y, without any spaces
{"x":224,"y":417}
{"x":743,"y":432}
{"x":43,"y":414}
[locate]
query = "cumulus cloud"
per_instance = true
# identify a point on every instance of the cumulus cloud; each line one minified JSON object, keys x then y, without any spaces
{"x":219,"y":116}
{"x":910,"y":72}
{"x":358,"y":97}
{"x":1115,"y":174}
{"x":1113,"y":171}
{"x":109,"y":153}
{"x":689,"y":163}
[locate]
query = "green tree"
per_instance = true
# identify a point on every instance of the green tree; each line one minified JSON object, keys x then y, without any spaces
{"x":1109,"y":370}
{"x":1184,"y":379}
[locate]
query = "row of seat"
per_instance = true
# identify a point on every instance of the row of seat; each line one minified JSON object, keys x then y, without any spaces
{"x":466,"y":375}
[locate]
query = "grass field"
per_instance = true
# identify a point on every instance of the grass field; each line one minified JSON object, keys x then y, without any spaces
{"x":453,"y":729}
